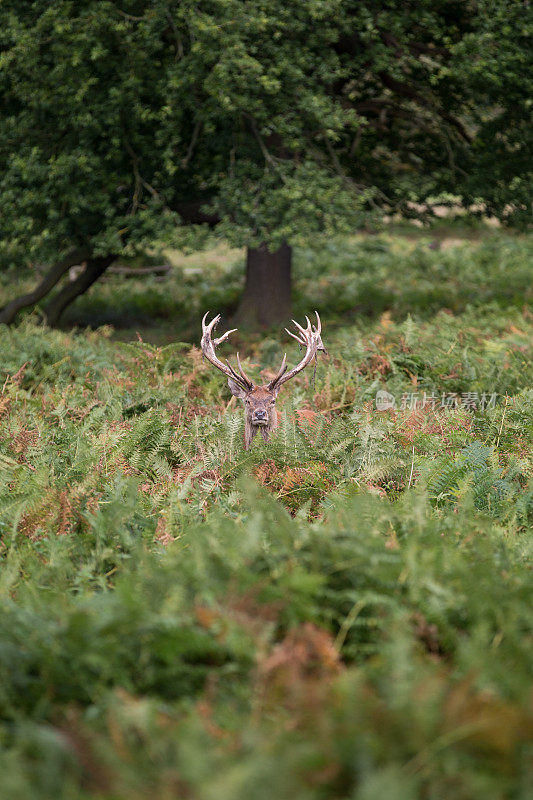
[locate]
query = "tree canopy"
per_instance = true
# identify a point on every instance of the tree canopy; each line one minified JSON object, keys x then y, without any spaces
{"x":125,"y":123}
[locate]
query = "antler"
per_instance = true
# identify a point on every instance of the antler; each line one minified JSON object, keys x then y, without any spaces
{"x":208,"y":345}
{"x":311,"y":339}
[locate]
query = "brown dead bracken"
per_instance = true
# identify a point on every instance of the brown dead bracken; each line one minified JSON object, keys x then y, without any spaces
{"x":260,"y":401}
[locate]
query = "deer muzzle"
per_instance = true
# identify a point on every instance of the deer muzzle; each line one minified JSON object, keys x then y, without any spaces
{"x":259,"y":417}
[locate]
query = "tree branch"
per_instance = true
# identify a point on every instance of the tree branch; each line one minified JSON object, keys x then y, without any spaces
{"x":51,"y":278}
{"x":415,"y":48}
{"x":192,"y":144}
{"x":269,"y":158}
{"x":139,"y":180}
{"x":404,"y":90}
{"x":175,"y":31}
{"x":333,"y":155}
{"x":95,"y":268}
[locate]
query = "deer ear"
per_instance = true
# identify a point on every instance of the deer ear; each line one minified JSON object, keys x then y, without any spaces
{"x":236,"y":390}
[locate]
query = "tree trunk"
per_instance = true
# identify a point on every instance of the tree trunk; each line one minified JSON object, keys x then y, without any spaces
{"x":94,"y":269}
{"x":267,"y":293}
{"x":54,"y":274}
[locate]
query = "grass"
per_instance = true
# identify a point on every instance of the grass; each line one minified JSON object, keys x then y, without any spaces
{"x":343,"y":613}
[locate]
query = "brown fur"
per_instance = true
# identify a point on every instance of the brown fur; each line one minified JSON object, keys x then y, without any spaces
{"x":257,"y":402}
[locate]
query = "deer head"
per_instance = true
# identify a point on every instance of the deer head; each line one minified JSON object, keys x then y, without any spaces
{"x":260,"y":401}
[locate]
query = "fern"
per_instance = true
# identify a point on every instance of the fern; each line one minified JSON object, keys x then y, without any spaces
{"x":170,"y":603}
{"x":148,"y":443}
{"x":492,"y":492}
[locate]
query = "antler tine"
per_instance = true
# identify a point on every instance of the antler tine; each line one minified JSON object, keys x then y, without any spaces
{"x":294,"y":336}
{"x":281,"y":372}
{"x":317,"y":330}
{"x":208,"y":345}
{"x":243,"y":373}
{"x":214,"y":322}
{"x":234,"y":374}
{"x":302,"y":330}
{"x":224,"y":337}
{"x":310,"y":337}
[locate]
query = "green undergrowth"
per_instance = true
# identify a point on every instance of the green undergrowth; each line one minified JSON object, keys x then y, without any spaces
{"x":418,"y":272}
{"x":344,"y":612}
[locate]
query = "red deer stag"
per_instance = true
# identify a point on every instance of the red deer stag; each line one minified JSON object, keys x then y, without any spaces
{"x":260,"y":401}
